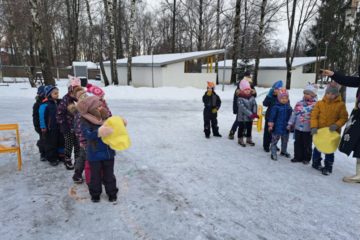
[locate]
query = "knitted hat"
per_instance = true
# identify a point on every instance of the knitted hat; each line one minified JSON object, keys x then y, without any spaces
{"x":95,"y":90}
{"x":311,"y":89}
{"x":277,"y":85}
{"x":333,"y":88}
{"x":87,"y":105}
{"x":41,"y":91}
{"x":244,"y":84}
{"x":210,"y":84}
{"x":48,"y":89}
{"x":73,"y":81}
{"x":282,"y":93}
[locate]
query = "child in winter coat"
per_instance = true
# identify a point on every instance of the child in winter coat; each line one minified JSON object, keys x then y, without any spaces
{"x":65,"y":119}
{"x":39,"y":99}
{"x":50,"y":130}
{"x":300,"y":120}
{"x":247,"y":77}
{"x":212,"y":104}
{"x":269,"y":101}
{"x":278,"y":120}
{"x":247,"y":110}
{"x":329,"y":112}
{"x":100,"y":156}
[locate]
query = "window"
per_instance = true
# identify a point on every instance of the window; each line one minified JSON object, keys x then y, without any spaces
{"x":309,"y":68}
{"x":193,"y":66}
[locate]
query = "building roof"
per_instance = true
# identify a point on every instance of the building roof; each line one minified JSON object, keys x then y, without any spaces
{"x":273,"y":63}
{"x":88,"y":64}
{"x":160,"y":60}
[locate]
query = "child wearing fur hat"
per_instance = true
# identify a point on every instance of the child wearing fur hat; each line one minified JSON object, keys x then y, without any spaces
{"x":100,"y":155}
{"x":247,"y":109}
{"x":212,"y":104}
{"x":36,"y":121}
{"x":278,"y":120}
{"x":65,"y":119}
{"x":50,"y":130}
{"x":270,"y":101}
{"x":329,"y":112}
{"x":247,"y":77}
{"x":300,"y":120}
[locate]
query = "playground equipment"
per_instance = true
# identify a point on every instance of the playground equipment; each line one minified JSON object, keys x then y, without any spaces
{"x":13,"y":148}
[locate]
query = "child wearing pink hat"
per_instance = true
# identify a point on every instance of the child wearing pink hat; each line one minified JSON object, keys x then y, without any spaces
{"x":97,"y":91}
{"x":247,"y":111}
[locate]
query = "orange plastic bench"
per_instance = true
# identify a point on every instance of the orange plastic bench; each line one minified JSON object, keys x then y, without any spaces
{"x":12,"y":149}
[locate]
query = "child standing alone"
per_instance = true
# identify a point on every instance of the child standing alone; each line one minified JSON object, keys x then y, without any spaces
{"x":212,"y":104}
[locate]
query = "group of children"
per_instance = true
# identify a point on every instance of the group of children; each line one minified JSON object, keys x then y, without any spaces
{"x":76,"y":123}
{"x":304,"y":120}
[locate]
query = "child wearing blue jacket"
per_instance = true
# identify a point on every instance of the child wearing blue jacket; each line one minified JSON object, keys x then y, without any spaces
{"x":278,"y":121}
{"x":50,"y":131}
{"x":100,"y":155}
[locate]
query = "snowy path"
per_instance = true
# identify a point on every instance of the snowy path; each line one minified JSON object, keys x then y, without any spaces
{"x":175,"y":184}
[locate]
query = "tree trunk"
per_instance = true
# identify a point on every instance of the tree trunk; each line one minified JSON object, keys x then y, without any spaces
{"x":39,"y":41}
{"x":131,"y":42}
{"x":288,"y":50}
{"x":236,"y":41}
{"x":109,"y":12}
{"x":120,"y":21}
{"x":243,"y":38}
{"x":173,"y":28}
{"x":200,"y":36}
{"x":260,"y":41}
{"x":91,"y":32}
{"x":217,"y":40}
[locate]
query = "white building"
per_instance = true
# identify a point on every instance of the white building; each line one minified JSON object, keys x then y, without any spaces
{"x":273,"y":69}
{"x":81,"y":68}
{"x":175,"y":70}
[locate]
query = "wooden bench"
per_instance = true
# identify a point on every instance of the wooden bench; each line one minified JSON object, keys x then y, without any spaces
{"x":11,"y":149}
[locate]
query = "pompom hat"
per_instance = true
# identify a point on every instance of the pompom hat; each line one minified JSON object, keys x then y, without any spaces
{"x":244,"y":84}
{"x":95,"y":90}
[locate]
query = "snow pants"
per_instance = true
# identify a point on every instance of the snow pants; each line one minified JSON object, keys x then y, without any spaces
{"x":54,"y":145}
{"x":41,"y":145}
{"x":244,"y":129}
{"x":210,"y":118}
{"x":329,"y":160}
{"x":267,"y":137}
{"x":302,"y":146}
{"x":284,"y":141}
{"x":102,"y":172}
{"x":71,"y":142}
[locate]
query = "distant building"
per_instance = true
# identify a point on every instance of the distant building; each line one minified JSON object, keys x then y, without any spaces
{"x":175,"y":70}
{"x":273,"y":69}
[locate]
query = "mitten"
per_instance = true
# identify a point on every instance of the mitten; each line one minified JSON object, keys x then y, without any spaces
{"x":208,"y":93}
{"x":104,"y":131}
{"x":214,"y":110}
{"x":254,"y":115}
{"x":314,"y":131}
{"x":333,"y":127}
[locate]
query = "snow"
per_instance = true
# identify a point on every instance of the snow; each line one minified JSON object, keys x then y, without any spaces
{"x":173,"y":183}
{"x":273,"y":62}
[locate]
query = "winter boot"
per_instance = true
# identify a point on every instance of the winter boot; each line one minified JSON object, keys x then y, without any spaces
{"x":207,"y":132}
{"x":95,"y":199}
{"x":356,"y":177}
{"x":77,"y":178}
{"x":294,"y":160}
{"x":250,"y":142}
{"x":68,"y":164}
{"x":241,"y":142}
{"x":231,"y":135}
{"x":316,"y":163}
{"x":54,"y":163}
{"x":285,"y":154}
{"x":112,"y":198}
{"x":325,"y":171}
{"x":274,"y":157}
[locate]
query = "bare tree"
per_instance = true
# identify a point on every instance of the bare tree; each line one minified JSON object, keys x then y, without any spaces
{"x":173,"y":28}
{"x":73,"y":11}
{"x":236,"y":40}
{"x":131,"y":42}
{"x":109,"y":14}
{"x":200,"y":34}
{"x":307,"y":11}
{"x":39,"y":42}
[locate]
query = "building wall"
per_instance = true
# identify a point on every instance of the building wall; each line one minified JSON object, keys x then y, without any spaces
{"x":266,"y":78}
{"x":174,"y":76}
{"x":300,"y":79}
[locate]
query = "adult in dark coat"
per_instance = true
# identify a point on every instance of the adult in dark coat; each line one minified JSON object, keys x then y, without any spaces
{"x":350,"y":141}
{"x":212,"y":104}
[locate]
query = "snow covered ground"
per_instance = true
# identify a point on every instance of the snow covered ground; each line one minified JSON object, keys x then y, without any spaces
{"x":173,"y":183}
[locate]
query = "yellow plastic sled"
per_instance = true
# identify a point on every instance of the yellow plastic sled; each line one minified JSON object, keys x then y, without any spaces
{"x":119,"y":139}
{"x":326,"y":141}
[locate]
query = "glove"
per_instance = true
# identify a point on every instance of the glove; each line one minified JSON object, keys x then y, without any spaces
{"x":214,"y":110}
{"x":208,"y":93}
{"x":254,"y":115}
{"x":104,"y":131}
{"x":314,"y":131}
{"x":333,"y":127}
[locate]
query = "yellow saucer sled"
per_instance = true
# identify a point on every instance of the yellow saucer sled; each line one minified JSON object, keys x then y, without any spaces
{"x":326,"y":141}
{"x":119,"y":139}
